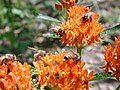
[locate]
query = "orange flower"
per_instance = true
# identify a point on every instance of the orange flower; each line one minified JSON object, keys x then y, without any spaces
{"x":9,"y":82}
{"x":65,"y":74}
{"x":42,"y":72}
{"x":81,"y":27}
{"x":25,"y":77}
{"x":19,"y":76}
{"x":112,"y":58}
{"x":3,"y":70}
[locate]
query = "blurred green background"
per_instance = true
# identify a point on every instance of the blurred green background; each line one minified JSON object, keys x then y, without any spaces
{"x":19,"y":27}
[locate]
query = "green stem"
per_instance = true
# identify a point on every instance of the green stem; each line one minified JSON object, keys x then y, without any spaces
{"x":79,"y":49}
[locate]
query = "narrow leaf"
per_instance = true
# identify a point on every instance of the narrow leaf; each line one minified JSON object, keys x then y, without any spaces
{"x":51,"y":35}
{"x":110,"y":30}
{"x":48,"y":88}
{"x":59,"y":0}
{"x":34,"y":71}
{"x":76,"y":1}
{"x":40,"y":16}
{"x":90,"y":6}
{"x":102,"y":76}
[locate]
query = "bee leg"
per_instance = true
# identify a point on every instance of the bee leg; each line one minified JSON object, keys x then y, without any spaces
{"x":90,"y":19}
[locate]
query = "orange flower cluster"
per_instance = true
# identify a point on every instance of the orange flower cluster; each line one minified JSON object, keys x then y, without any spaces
{"x":81,"y":27}
{"x":112,"y":58}
{"x":18,"y":77}
{"x":65,"y":3}
{"x":56,"y":72}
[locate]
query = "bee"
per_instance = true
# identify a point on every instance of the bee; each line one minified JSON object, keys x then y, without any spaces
{"x":73,"y":56}
{"x":58,"y":30}
{"x":87,"y":17}
{"x":7,"y":58}
{"x":38,"y":54}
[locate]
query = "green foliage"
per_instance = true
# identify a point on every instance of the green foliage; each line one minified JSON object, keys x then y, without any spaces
{"x":19,"y":17}
{"x":118,"y":88}
{"x":59,"y":0}
{"x":51,"y":35}
{"x":40,"y":16}
{"x":34,"y":76}
{"x":111,"y":30}
{"x":102,"y":76}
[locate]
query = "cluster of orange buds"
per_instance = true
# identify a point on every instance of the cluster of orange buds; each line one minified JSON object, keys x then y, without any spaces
{"x":14,"y":75}
{"x":55,"y":71}
{"x":81,"y":27}
{"x":112,"y":59}
{"x":64,"y":3}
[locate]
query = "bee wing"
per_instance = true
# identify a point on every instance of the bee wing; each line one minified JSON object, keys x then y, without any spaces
{"x":53,"y":26}
{"x":33,"y":49}
{"x":73,"y":54}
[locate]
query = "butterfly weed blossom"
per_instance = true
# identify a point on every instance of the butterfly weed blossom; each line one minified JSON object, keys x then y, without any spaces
{"x":54,"y":71}
{"x":19,"y":76}
{"x":112,"y":59}
{"x":81,"y":27}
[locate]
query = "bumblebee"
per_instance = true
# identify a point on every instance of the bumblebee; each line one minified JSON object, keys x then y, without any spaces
{"x":38,"y":54}
{"x":6,"y":58}
{"x":73,"y":56}
{"x":87,"y":17}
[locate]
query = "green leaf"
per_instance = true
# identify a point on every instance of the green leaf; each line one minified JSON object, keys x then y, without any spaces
{"x":90,"y":6}
{"x":118,"y":88}
{"x":34,"y":75}
{"x":76,"y":1}
{"x":109,"y":41}
{"x":48,"y":88}
{"x":102,"y":76}
{"x":33,"y":71}
{"x":59,"y":0}
{"x":110,"y":30}
{"x":51,"y":35}
{"x":10,"y":36}
{"x":80,"y":0}
{"x":40,"y":16}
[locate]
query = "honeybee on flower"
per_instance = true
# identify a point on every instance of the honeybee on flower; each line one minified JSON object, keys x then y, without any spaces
{"x":57,"y":30}
{"x":73,"y":56}
{"x":87,"y":17}
{"x":81,"y":27}
{"x":6,"y":58}
{"x":38,"y":54}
